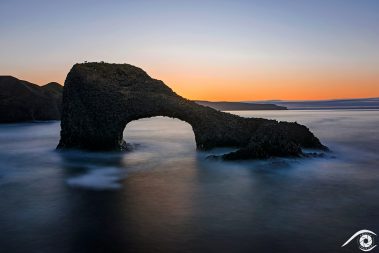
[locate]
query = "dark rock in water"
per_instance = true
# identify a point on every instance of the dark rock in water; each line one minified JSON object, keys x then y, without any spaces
{"x":100,"y":99}
{"x":23,"y":101}
{"x":266,"y":142}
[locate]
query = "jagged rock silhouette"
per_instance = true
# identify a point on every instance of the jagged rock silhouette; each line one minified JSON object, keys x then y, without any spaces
{"x":100,"y":99}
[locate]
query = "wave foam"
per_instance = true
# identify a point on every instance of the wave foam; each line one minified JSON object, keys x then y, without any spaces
{"x":105,"y":178}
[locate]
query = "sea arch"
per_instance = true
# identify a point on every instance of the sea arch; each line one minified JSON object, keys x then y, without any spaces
{"x":100,"y":99}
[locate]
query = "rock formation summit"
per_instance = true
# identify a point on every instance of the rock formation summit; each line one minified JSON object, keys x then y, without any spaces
{"x":100,"y":99}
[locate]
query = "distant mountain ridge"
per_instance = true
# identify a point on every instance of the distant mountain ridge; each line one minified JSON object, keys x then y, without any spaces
{"x":354,"y":103}
{"x":239,"y":106}
{"x":22,"y":101}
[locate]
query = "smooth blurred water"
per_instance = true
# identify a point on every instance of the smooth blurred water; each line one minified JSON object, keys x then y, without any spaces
{"x":164,"y":196}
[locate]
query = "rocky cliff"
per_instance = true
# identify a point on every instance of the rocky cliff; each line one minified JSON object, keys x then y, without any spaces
{"x":100,"y":99}
{"x":23,"y":101}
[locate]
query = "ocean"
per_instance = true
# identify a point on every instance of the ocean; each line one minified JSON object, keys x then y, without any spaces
{"x":165,"y":196}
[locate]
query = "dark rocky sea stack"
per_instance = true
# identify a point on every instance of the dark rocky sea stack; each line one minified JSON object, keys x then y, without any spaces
{"x":100,"y":99}
{"x":22,"y":101}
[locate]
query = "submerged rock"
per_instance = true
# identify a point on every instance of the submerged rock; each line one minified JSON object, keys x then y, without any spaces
{"x":100,"y":99}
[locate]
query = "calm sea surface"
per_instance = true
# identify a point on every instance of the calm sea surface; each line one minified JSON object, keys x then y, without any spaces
{"x":164,"y":196}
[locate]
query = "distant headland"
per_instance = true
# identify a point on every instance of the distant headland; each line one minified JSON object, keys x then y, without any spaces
{"x":22,"y":101}
{"x":240,"y":106}
{"x":329,"y":104}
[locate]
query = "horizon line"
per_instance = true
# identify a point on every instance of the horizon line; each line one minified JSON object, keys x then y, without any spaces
{"x":240,"y":101}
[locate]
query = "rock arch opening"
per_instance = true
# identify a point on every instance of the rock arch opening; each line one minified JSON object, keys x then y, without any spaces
{"x":163,"y":133}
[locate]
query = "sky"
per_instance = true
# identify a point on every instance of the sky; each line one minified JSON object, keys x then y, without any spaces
{"x":209,"y":50}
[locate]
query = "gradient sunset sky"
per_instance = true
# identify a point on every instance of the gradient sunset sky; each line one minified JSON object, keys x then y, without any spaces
{"x":210,"y":50}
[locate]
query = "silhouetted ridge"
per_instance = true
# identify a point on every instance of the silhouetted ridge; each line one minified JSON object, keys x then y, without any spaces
{"x":24,"y":101}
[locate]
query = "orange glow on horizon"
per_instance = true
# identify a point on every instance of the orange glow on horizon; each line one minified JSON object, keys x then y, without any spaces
{"x":229,"y":51}
{"x":276,"y":85}
{"x":263,"y":85}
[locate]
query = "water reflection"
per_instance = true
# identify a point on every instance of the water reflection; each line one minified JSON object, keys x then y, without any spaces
{"x":166,"y":197}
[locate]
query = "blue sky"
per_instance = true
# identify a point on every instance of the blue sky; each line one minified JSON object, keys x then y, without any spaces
{"x":196,"y":44}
